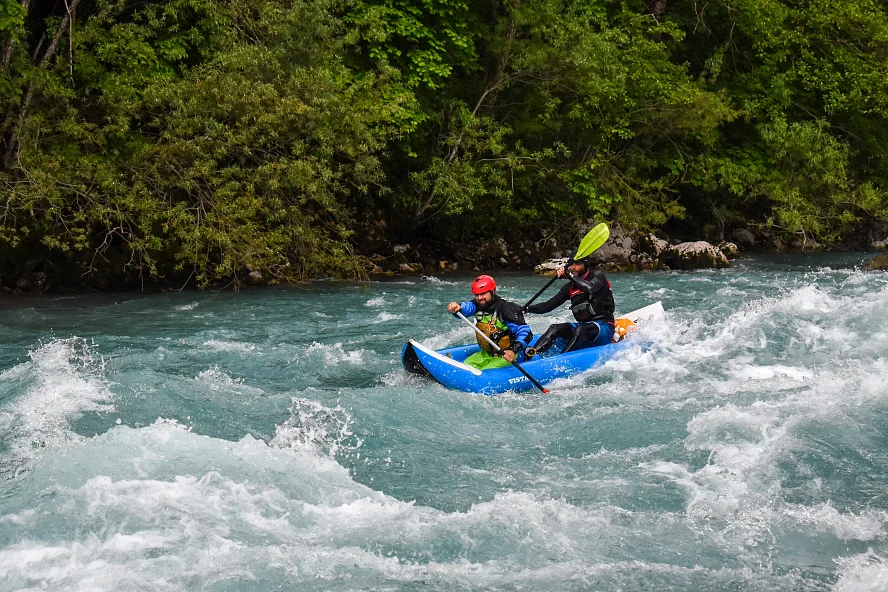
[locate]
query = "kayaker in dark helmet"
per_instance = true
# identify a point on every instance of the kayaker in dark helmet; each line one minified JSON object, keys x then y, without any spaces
{"x":500,"y":320}
{"x":592,"y":304}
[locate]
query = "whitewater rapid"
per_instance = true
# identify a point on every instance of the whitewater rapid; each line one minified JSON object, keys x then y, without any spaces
{"x":269,"y":439}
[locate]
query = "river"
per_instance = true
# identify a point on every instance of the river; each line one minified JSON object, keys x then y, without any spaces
{"x":269,"y":439}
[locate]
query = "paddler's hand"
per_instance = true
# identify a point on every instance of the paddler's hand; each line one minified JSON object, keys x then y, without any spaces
{"x":509,"y":355}
{"x":454,"y":307}
{"x":560,"y":272}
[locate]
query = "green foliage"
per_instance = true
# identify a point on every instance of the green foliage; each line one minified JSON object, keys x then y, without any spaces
{"x":814,"y":192}
{"x":425,"y":39}
{"x":210,"y":138}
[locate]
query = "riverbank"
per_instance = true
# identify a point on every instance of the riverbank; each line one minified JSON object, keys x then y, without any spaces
{"x":38,"y":270}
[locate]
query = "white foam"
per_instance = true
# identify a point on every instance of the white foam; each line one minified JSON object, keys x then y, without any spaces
{"x":218,"y":377}
{"x":387,"y":316}
{"x":189,"y":306}
{"x":229,"y":346}
{"x":378,"y":301}
{"x":313,"y":427}
{"x":435,"y":280}
{"x":63,"y":380}
{"x":335,"y":353}
{"x":867,"y":572}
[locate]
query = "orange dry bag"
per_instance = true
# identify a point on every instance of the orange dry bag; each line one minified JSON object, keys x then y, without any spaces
{"x":622,"y":328}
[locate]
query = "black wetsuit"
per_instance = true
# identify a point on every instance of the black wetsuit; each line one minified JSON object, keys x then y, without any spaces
{"x":591,"y":299}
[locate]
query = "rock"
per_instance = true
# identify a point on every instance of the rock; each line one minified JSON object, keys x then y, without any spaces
{"x":503,"y":262}
{"x":442,"y":265}
{"x":652,"y":245}
{"x":877,"y":263}
{"x":804,"y":242}
{"x":399,"y":249}
{"x":617,"y":250}
{"x":695,"y":255}
{"x":645,"y":262}
{"x":493,"y":250}
{"x":256,"y":278}
{"x":744,"y":238}
{"x":730,"y":250}
{"x":410,"y":267}
{"x":879,"y":244}
{"x":549,"y":267}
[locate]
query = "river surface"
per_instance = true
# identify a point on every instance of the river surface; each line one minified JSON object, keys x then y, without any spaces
{"x":269,"y":440}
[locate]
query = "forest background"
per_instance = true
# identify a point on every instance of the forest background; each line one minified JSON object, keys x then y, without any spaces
{"x":193,"y":141}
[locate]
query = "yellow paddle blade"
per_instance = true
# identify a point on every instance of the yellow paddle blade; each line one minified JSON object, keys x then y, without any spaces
{"x":593,"y":239}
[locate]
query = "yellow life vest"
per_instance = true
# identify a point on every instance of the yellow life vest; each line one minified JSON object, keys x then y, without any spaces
{"x":494,"y":328}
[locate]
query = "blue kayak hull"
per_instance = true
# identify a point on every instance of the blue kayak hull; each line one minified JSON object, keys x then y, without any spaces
{"x":446,"y":367}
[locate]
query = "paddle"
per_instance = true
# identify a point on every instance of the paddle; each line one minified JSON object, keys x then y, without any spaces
{"x":499,"y":350}
{"x":593,"y":239}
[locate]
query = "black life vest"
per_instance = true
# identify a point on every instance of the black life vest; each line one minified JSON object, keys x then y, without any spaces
{"x":592,"y":307}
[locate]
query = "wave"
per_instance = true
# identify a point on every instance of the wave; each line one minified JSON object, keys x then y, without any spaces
{"x":866,"y":572}
{"x":313,"y":427}
{"x":230,"y":346}
{"x":140,"y":508}
{"x":63,"y":380}
{"x":438,"y":281}
{"x":335,"y":353}
{"x":386,"y":316}
{"x":377,"y":301}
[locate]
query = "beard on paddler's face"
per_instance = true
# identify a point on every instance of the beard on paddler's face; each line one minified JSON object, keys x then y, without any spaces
{"x":577,"y":267}
{"x":484,"y":298}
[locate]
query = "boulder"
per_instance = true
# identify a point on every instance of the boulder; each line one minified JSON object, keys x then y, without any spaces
{"x":730,"y":250}
{"x":493,"y":251}
{"x":695,"y":255}
{"x":549,"y":267}
{"x":877,"y":263}
{"x":401,"y":249}
{"x":879,"y":244}
{"x":804,"y":243}
{"x":617,"y":251}
{"x":744,"y":238}
{"x":646,"y":262}
{"x":256,"y":278}
{"x":652,"y":245}
{"x":410,"y":267}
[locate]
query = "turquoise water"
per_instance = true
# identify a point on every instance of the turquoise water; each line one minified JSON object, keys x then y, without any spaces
{"x":269,"y":440}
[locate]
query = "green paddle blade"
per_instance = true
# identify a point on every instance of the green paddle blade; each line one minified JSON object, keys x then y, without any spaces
{"x":593,"y":239}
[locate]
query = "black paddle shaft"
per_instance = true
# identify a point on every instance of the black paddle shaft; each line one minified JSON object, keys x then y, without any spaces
{"x":538,"y":294}
{"x":500,"y":351}
{"x":529,"y":377}
{"x":546,"y":287}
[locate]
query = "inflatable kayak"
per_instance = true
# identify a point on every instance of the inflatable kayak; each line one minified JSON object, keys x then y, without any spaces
{"x":446,"y":365}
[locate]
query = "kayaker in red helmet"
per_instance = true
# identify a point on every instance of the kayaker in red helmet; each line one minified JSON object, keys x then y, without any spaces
{"x":500,"y":320}
{"x":592,"y":304}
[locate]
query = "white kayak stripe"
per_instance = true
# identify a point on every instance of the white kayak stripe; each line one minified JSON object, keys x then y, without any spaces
{"x":443,"y":358}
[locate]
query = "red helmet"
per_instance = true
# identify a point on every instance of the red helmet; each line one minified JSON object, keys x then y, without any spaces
{"x":483,"y":283}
